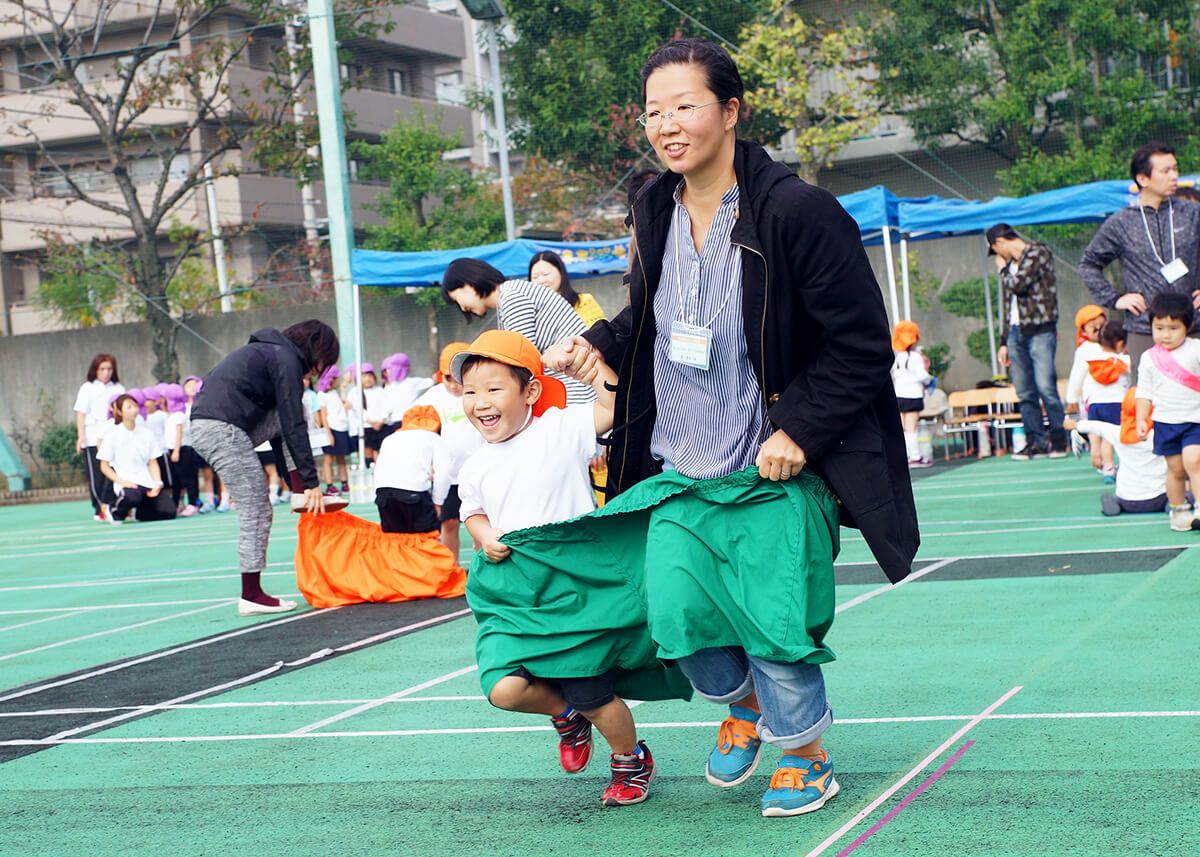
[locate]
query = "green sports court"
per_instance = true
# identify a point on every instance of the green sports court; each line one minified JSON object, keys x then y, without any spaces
{"x":1031,"y":690}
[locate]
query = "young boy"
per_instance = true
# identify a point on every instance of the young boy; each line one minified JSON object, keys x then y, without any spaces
{"x":128,"y":456}
{"x":1099,"y":378}
{"x":1141,"y":480}
{"x":337,"y":427}
{"x":411,"y":474}
{"x":533,"y":470}
{"x":1169,"y":379}
{"x":458,"y":434}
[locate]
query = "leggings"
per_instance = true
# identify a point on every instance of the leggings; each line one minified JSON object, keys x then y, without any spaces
{"x":99,"y":485}
{"x":185,"y":476}
{"x":157,"y":508}
{"x":230,"y":450}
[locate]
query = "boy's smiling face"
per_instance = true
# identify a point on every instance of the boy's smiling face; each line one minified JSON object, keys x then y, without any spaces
{"x":494,"y":401}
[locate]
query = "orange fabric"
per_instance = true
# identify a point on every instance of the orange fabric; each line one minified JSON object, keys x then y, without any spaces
{"x":1108,"y":370}
{"x":1129,"y":433}
{"x":421,"y":417}
{"x":905,"y":335}
{"x":447,"y":356}
{"x":341,"y":559}
{"x":513,"y":349}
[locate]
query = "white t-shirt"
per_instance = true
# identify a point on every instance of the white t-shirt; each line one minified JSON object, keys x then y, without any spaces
{"x":92,"y":402}
{"x":401,"y":395}
{"x":538,"y":477}
{"x":460,"y":437}
{"x":1173,"y":402}
{"x":1082,"y":387}
{"x":174,"y":421}
{"x":187,"y":424}
{"x":414,"y":460}
{"x":157,"y":423}
{"x":354,"y":413}
{"x":317,"y":438}
{"x":336,"y":418}
{"x":129,"y":453}
{"x":377,"y":406}
{"x":908,"y":374}
{"x":1142,"y":474}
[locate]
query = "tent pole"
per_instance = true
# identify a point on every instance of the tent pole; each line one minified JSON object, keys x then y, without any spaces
{"x":358,"y":383}
{"x":891,"y":272}
{"x":987,"y":300}
{"x":904,"y":275}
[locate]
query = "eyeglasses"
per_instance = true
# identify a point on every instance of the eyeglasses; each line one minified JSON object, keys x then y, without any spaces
{"x":682,"y":115}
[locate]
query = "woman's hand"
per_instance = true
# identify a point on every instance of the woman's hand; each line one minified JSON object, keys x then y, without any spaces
{"x":313,"y":500}
{"x":780,"y":458}
{"x":568,"y":356}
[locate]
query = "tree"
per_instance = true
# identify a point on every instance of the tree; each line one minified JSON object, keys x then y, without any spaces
{"x":1064,"y":90}
{"x":572,"y":67}
{"x":163,"y":111}
{"x":788,"y":63}
{"x":430,"y":203}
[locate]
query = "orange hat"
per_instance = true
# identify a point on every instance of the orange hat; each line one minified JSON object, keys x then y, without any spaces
{"x":1129,"y":433}
{"x":1088,"y":313}
{"x":444,"y":361}
{"x":513,"y":349}
{"x":905,"y":335}
{"x":421,"y":417}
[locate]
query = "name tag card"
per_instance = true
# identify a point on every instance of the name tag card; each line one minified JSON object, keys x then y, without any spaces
{"x":1173,"y":270}
{"x":690,"y":345}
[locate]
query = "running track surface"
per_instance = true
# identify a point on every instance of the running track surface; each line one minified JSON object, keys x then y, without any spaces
{"x":1032,"y":692}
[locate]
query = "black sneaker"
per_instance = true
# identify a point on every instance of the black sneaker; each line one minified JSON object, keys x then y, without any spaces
{"x":1032,"y":450}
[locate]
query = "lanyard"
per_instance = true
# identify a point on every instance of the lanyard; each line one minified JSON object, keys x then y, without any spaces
{"x":679,"y":235}
{"x":1150,"y":238}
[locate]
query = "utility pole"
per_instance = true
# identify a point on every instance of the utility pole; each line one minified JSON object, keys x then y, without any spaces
{"x":333,"y":160}
{"x":312,"y":235}
{"x":214,"y":225}
{"x":490,"y":12}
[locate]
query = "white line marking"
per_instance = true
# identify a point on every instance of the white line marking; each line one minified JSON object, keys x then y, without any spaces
{"x":1026,"y":494}
{"x":75,"y":581}
{"x":125,"y":606}
{"x":204,"y":706}
{"x":165,"y":653}
{"x":69,"y":733}
{"x":416,"y":688}
{"x":920,"y":766}
{"x":123,"y":545}
{"x":937,"y":485}
{"x":123,"y":628}
{"x":129,"y":581}
{"x":59,"y":615}
{"x":1176,"y":547}
{"x":888,"y":587}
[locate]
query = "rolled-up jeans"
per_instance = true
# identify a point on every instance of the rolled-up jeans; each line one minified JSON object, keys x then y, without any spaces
{"x":791,"y":697}
{"x":1034,"y":377}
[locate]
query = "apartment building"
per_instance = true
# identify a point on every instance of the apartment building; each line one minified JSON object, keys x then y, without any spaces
{"x":424,"y":65}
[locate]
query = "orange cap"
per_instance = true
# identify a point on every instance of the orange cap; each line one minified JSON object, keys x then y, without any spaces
{"x":513,"y":349}
{"x":905,"y":335}
{"x":444,"y":361}
{"x":1129,"y":433}
{"x":421,"y":417}
{"x":1088,"y":313}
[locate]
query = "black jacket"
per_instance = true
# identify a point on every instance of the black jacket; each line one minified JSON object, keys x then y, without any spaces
{"x":266,"y":374}
{"x":817,"y":334}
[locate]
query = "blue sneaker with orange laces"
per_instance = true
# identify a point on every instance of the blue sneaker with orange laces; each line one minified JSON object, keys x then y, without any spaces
{"x":799,"y":786}
{"x":738,"y":749}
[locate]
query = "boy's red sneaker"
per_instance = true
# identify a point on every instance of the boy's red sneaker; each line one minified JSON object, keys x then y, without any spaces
{"x":631,"y":778}
{"x":574,"y":741}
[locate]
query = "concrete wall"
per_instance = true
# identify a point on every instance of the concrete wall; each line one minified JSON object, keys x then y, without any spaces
{"x":53,"y":365}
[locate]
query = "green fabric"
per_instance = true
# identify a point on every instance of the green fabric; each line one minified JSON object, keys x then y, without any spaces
{"x":733,"y":561}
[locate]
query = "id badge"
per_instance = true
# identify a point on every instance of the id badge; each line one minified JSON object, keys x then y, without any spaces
{"x":690,"y":345}
{"x":1173,"y":270}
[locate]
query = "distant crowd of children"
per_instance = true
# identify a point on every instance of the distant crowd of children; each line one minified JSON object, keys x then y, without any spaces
{"x":1143,"y":438}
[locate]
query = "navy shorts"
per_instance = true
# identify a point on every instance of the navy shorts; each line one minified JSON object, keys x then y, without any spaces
{"x":582,"y":694}
{"x":453,"y":505}
{"x":341,"y":443}
{"x":1105,"y":412}
{"x":908,"y":406}
{"x":1171,"y":438}
{"x":373,"y":438}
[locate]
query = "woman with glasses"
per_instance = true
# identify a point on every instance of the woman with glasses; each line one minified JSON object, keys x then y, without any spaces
{"x":754,"y":370}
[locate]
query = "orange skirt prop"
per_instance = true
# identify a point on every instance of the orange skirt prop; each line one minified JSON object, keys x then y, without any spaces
{"x":341,"y":559}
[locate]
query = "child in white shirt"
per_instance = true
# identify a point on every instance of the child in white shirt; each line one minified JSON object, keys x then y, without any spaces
{"x":910,"y":374}
{"x":1141,"y":480}
{"x":400,"y":391}
{"x":128,"y":456}
{"x":1169,"y":380}
{"x":412,"y":474}
{"x":1099,"y":377}
{"x":92,"y":413}
{"x":337,"y":426}
{"x":533,"y":470}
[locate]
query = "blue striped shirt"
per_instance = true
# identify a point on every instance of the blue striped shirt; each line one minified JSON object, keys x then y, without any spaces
{"x":711,"y":422}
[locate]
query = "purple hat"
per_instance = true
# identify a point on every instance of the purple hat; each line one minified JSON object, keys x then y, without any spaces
{"x":397,"y":366}
{"x":352,"y":371}
{"x":199,"y":382}
{"x":160,"y":390}
{"x":325,"y":382}
{"x":176,"y":398}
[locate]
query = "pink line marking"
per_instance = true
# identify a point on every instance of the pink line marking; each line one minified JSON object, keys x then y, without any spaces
{"x":933,"y":778}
